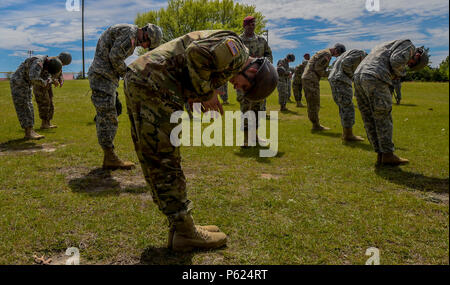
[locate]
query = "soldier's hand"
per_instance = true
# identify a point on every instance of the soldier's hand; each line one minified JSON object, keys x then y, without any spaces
{"x":213,"y":104}
{"x":220,"y":92}
{"x":61,"y":82}
{"x":48,"y":82}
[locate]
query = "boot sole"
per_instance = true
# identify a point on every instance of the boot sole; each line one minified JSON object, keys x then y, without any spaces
{"x":118,"y":167}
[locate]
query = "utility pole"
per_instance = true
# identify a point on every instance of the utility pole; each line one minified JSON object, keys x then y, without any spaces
{"x":82,"y":31}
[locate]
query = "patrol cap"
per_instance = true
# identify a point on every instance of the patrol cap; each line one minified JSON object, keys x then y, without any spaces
{"x":65,"y":58}
{"x":291,"y":57}
{"x":423,"y":60}
{"x":248,"y":20}
{"x":54,"y":65}
{"x":154,"y":34}
{"x":264,"y":82}
{"x":340,"y":48}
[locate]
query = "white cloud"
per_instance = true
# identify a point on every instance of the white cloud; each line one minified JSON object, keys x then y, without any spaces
{"x":344,"y":21}
{"x":25,"y":29}
{"x":278,"y":41}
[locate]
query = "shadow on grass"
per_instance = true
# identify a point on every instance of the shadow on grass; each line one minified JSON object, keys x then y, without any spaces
{"x":254,"y":152}
{"x":164,"y":256}
{"x":326,"y":134}
{"x":406,"y":105}
{"x":289,"y":112}
{"x":361,"y":145}
{"x":19,"y":144}
{"x":99,"y":182}
{"x":413,"y":180}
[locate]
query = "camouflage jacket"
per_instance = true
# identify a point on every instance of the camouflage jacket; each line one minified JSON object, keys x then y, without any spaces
{"x":283,"y":68}
{"x":299,"y":69}
{"x":344,"y":67}
{"x":317,"y":65}
{"x":193,"y":65}
{"x":387,"y":60}
{"x":31,"y":72}
{"x":257,"y":46}
{"x":115,"y":45}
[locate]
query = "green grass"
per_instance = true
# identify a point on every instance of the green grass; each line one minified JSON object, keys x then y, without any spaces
{"x":326,"y":203}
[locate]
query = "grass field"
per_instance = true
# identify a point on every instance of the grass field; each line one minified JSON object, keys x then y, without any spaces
{"x":319,"y":201}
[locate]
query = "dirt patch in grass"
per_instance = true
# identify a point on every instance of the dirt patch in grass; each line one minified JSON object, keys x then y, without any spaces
{"x":437,"y":198}
{"x":27,"y":147}
{"x":98,"y":181}
{"x":270,"y":176}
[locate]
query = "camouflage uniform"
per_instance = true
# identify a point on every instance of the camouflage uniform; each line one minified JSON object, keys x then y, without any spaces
{"x":283,"y":81}
{"x":372,"y":79}
{"x":44,"y":98}
{"x":30,"y":73}
{"x":340,"y":79}
{"x":297,"y":81}
{"x":258,"y":47}
{"x":224,"y":90}
{"x":159,"y":83}
{"x":114,"y":46}
{"x":314,"y":70}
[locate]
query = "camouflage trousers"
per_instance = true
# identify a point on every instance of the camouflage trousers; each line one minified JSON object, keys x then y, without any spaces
{"x":224,"y":89}
{"x":297,"y":90}
{"x":247,"y":105}
{"x":312,"y":95}
{"x":375,"y":104}
{"x":44,"y":100}
{"x":149,"y":111}
{"x":283,"y":90}
{"x":343,"y":97}
{"x":106,"y":121}
{"x":22,"y":99}
{"x":290,"y":87}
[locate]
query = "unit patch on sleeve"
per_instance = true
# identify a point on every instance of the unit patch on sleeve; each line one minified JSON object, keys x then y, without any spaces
{"x":232,"y":47}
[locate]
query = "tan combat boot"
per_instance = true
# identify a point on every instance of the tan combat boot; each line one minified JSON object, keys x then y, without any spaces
{"x":391,"y":159}
{"x":46,"y":125}
{"x":30,"y":134}
{"x":319,"y":127}
{"x":348,"y":135}
{"x":186,"y":236}
{"x":111,"y":161}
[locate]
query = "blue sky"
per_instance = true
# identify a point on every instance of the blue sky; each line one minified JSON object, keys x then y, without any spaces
{"x":296,"y":26}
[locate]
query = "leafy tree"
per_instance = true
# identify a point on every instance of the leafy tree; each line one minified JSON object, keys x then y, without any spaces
{"x":443,"y":69}
{"x":184,"y":16}
{"x":429,"y":73}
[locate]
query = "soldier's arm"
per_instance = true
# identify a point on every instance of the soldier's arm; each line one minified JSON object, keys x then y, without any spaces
{"x":348,"y":63}
{"x":400,"y":57}
{"x":268,"y":51}
{"x":280,"y":69}
{"x":35,"y":74}
{"x":119,"y":52}
{"x":212,"y":67}
{"x":321,"y":65}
